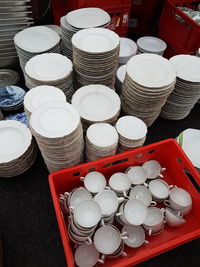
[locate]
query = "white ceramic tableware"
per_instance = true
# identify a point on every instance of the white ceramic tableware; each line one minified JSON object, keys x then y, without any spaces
{"x":137,"y":175}
{"x":142,"y":193}
{"x":120,"y":183}
{"x":159,"y":189}
{"x":87,"y":214}
{"x":78,"y":238}
{"x":154,"y":221}
{"x":128,"y":48}
{"x":94,"y":182}
{"x":151,"y":44}
{"x":136,"y":236}
{"x":153,"y":169}
{"x":173,"y":217}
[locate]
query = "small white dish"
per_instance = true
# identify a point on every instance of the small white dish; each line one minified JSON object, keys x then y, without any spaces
{"x":179,"y":199}
{"x":159,"y":189}
{"x":142,"y":193}
{"x":153,"y":169}
{"x":135,"y":212}
{"x":77,"y":196}
{"x":151,"y":44}
{"x":137,"y":175}
{"x":94,"y":182}
{"x":136,"y":236}
{"x":120,"y":182}
{"x":155,"y":220}
{"x":173,"y":217}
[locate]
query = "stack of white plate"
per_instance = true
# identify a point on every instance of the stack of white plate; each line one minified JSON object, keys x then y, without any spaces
{"x":50,"y":69}
{"x":132,"y":133}
{"x":59,"y":135}
{"x":187,"y":88}
{"x":18,"y":149}
{"x":96,"y":103}
{"x":36,"y":40}
{"x":1,"y":116}
{"x":14,"y":17}
{"x":80,"y":19}
{"x":101,"y":141}
{"x":149,"y":81}
{"x":120,"y":76}
{"x":95,"y":56}
{"x":150,"y":44}
{"x":40,"y":95}
{"x":128,"y":48}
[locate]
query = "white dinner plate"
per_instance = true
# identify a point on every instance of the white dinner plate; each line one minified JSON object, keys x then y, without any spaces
{"x":151,"y":44}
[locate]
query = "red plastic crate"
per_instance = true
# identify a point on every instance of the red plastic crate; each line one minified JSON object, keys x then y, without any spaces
{"x":181,"y":30}
{"x":171,"y":156}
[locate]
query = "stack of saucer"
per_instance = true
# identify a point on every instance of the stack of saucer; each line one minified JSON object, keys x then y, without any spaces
{"x":11,"y":98}
{"x":35,"y":40}
{"x":120,"y":76}
{"x":150,"y":44}
{"x":132,"y":133}
{"x":95,"y":56}
{"x":59,"y":135}
{"x":149,"y":81}
{"x":77,"y":20}
{"x":40,"y":95}
{"x":18,"y":150}
{"x":101,"y":141}
{"x":50,"y":69}
{"x":96,"y":103}
{"x":128,"y":48}
{"x":187,"y":88}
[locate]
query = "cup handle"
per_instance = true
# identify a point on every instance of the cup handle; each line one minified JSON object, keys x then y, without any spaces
{"x":163,"y":169}
{"x":66,"y":194}
{"x":121,"y":199}
{"x":163,"y":210}
{"x":150,"y":231}
{"x":166,"y":202}
{"x":100,"y":261}
{"x":118,"y":214}
{"x":146,"y":242}
{"x":123,"y":254}
{"x":127,"y":170}
{"x":89,"y":241}
{"x":160,"y":175}
{"x":172,"y":186}
{"x":153,"y":204}
{"x":82,"y":178}
{"x":124,"y":237}
{"x":107,"y":187}
{"x":145,"y":184}
{"x":102,"y":222}
{"x":125,"y":194}
{"x":71,"y":209}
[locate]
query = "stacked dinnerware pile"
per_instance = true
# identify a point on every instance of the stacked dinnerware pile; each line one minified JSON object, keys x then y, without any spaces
{"x":36,"y":40}
{"x":18,"y":150}
{"x":150,"y":44}
{"x":11,"y":97}
{"x":96,"y":103}
{"x":128,"y":48}
{"x":101,"y":141}
{"x":187,"y":88}
{"x":50,"y":69}
{"x":58,"y":131}
{"x":149,"y":81}
{"x":120,"y":76}
{"x":14,"y":17}
{"x":132,"y":133}
{"x":1,"y":116}
{"x":77,"y":20}
{"x":95,"y":56}
{"x":40,"y":95}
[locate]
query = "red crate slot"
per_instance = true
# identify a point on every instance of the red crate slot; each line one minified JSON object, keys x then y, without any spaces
{"x":182,"y":29}
{"x":171,"y":156}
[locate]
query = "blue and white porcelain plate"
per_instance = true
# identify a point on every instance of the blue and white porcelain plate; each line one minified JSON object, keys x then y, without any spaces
{"x":18,"y":117}
{"x":11,"y":96}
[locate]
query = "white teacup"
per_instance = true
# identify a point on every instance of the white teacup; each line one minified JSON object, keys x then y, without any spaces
{"x":78,"y":238}
{"x":137,"y":175}
{"x":108,"y":202}
{"x":87,"y":255}
{"x":136,"y":236}
{"x":179,"y":199}
{"x":79,"y":230}
{"x":155,"y":220}
{"x":87,"y":214}
{"x":142,"y":193}
{"x":107,"y":239}
{"x":94,"y":182}
{"x":153,"y":169}
{"x":120,"y":183}
{"x":159,"y":189}
{"x":173,"y":217}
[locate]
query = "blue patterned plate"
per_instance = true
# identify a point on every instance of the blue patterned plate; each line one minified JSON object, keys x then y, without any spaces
{"x":11,"y":96}
{"x":18,"y":117}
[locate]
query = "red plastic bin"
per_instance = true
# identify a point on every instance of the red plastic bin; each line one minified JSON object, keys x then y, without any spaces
{"x":182,"y":30}
{"x":171,"y":156}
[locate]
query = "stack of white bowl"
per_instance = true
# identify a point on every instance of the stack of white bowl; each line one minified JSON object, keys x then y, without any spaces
{"x":120,"y":76}
{"x":132,"y":133}
{"x":149,"y":81}
{"x":96,"y":103}
{"x":18,"y":149}
{"x":77,"y":20}
{"x":35,"y":40}
{"x":58,"y":131}
{"x":128,"y":48}
{"x":101,"y":141}
{"x":150,"y":44}
{"x":95,"y":56}
{"x":50,"y":69}
{"x":40,"y":95}
{"x":187,"y":88}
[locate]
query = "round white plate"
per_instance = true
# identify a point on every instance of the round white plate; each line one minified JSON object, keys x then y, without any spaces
{"x":15,"y":139}
{"x":96,"y":102}
{"x":48,"y":67}
{"x":151,"y":70}
{"x":102,"y":134}
{"x":128,"y":47}
{"x":151,"y":44}
{"x":187,"y":67}
{"x":36,"y":39}
{"x":54,"y":119}
{"x":95,"y":40}
{"x":121,"y":73}
{"x":87,"y":18}
{"x":131,"y":127}
{"x":42,"y":94}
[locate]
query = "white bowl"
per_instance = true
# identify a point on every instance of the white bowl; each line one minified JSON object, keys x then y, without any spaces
{"x":173,"y":217}
{"x":94,"y":182}
{"x":119,"y":182}
{"x":77,"y":196}
{"x":137,"y":175}
{"x":135,"y":212}
{"x":142,"y":193}
{"x":159,"y":189}
{"x":136,"y":236}
{"x":152,"y":168}
{"x":86,"y":255}
{"x":179,"y":198}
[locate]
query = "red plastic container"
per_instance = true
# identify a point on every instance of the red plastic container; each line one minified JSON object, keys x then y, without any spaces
{"x":180,"y":29}
{"x":171,"y":156}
